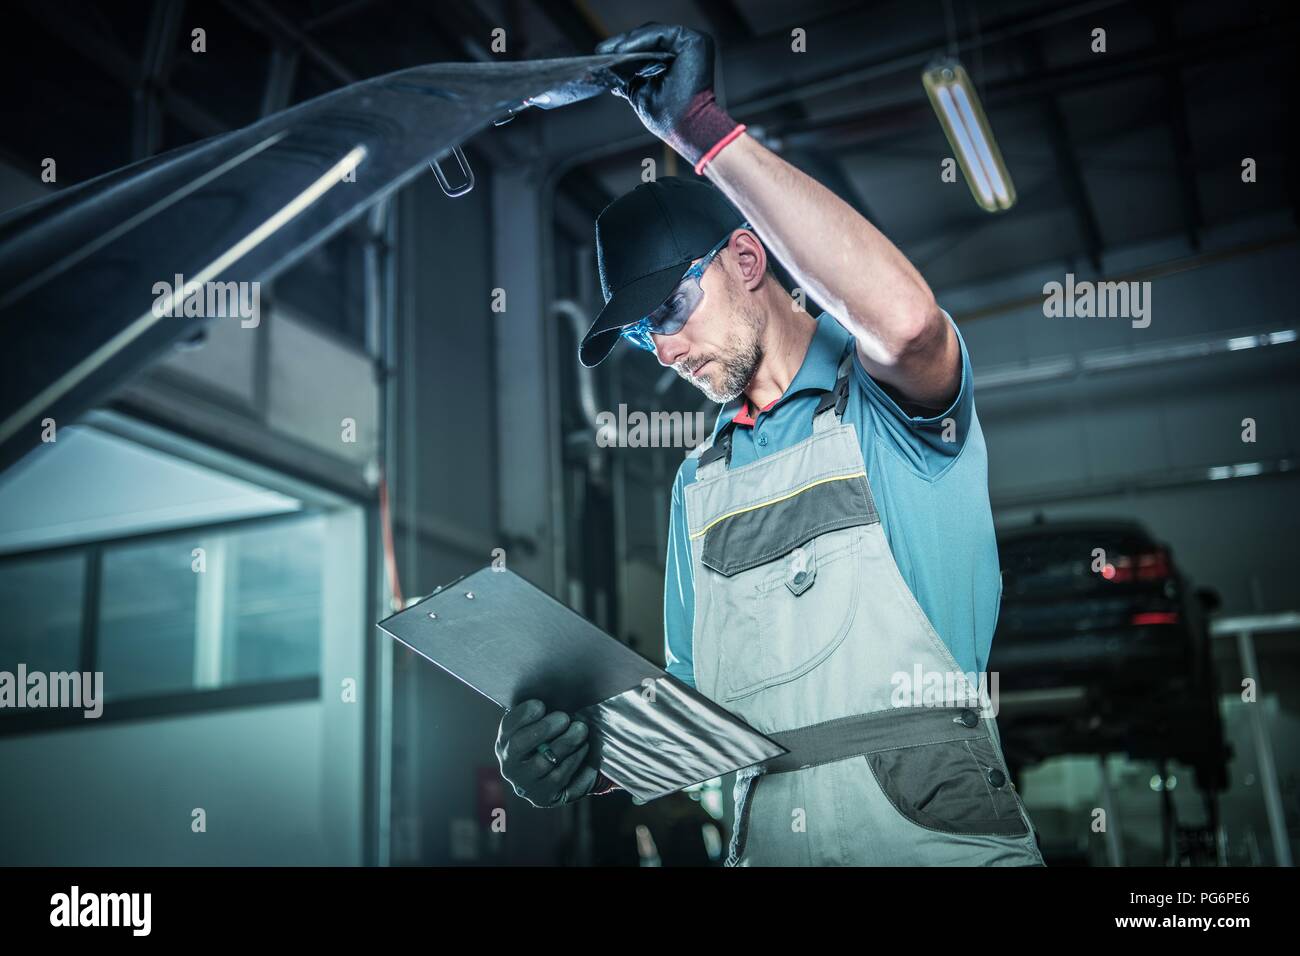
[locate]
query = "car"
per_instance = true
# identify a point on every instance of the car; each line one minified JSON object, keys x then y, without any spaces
{"x":1103,"y":646}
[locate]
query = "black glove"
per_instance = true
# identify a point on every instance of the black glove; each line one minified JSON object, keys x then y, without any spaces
{"x":538,"y":780}
{"x":676,"y":105}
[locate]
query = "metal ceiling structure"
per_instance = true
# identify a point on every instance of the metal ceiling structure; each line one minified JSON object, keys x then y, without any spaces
{"x":1108,"y":149}
{"x":1141,"y":142}
{"x":1092,"y":132}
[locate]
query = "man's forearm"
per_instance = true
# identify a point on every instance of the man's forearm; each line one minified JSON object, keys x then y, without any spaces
{"x":845,"y":263}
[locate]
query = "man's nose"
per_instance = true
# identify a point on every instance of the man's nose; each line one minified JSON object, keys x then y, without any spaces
{"x":669,"y":349}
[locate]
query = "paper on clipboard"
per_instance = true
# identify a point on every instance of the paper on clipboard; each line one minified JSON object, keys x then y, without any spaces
{"x":511,"y":641}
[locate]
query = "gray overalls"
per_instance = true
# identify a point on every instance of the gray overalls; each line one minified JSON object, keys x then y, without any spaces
{"x":803,"y":627}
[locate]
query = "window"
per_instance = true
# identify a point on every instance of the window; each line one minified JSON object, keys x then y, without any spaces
{"x":145,"y":638}
{"x":100,"y":576}
{"x":230,"y":607}
{"x":210,"y":609}
{"x":277,"y":611}
{"x":42,"y":600}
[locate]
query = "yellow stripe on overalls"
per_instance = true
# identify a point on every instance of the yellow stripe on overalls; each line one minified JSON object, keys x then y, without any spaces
{"x":764,"y":504}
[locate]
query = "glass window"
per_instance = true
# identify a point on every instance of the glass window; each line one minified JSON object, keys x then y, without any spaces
{"x":243,"y":608}
{"x":41,"y":602}
{"x":148,"y":601}
{"x":277,"y":600}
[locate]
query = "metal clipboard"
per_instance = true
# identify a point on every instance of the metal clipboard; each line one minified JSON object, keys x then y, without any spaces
{"x":511,"y":641}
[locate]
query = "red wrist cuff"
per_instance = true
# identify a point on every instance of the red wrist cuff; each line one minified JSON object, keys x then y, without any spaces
{"x":717,"y":148}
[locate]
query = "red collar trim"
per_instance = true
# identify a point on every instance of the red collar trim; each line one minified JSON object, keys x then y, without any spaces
{"x":745,"y":417}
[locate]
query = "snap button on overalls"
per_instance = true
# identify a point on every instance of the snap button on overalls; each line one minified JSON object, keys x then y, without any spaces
{"x":802,"y":622}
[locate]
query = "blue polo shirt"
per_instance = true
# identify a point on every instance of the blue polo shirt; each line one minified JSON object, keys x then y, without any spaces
{"x":932,"y":495}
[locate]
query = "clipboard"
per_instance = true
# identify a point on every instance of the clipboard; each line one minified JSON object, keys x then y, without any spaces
{"x":511,"y":641}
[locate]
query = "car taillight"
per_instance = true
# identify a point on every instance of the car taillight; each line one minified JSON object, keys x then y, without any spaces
{"x":1154,"y":617}
{"x":1147,"y":566}
{"x":1153,"y":566}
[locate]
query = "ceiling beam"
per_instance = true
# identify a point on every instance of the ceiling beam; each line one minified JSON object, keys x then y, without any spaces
{"x":260,"y":17}
{"x":159,"y":54}
{"x":890,"y":121}
{"x":730,"y":29}
{"x":762,"y":74}
{"x":572,"y":24}
{"x":265,"y":19}
{"x":336,"y":15}
{"x":1068,"y":168}
{"x":469,"y":29}
{"x":1175,"y":111}
{"x":726,"y":23}
{"x":123,"y":68}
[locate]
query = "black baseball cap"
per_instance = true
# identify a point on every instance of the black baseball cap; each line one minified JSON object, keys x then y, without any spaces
{"x":645,"y":241}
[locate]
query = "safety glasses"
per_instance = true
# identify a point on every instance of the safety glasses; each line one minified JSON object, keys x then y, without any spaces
{"x":670,"y":317}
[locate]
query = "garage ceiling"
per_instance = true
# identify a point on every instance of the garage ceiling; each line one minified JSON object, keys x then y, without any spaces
{"x":1106,"y":150}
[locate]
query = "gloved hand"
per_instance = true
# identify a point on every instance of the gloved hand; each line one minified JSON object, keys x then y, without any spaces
{"x":676,"y":105}
{"x":534,"y":777}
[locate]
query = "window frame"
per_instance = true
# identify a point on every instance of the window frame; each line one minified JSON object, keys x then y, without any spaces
{"x":248,"y":694}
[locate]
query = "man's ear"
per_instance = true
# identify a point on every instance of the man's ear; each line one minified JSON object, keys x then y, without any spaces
{"x":750,"y":256}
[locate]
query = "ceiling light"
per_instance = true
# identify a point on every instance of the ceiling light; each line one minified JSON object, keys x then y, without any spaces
{"x":958,"y":107}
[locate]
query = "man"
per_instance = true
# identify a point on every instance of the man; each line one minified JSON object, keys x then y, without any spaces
{"x":832,"y":573}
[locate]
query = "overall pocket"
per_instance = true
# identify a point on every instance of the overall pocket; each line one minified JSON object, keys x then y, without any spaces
{"x":783,"y":575}
{"x":953,"y":786}
{"x":800,"y":608}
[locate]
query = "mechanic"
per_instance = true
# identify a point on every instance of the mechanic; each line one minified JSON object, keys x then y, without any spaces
{"x":834,"y":534}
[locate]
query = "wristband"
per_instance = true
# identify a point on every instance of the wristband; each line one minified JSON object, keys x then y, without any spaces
{"x":717,"y":148}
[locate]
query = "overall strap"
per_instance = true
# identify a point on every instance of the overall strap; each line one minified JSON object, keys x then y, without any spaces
{"x":836,"y":399}
{"x":860,"y":734}
{"x":716,"y":456}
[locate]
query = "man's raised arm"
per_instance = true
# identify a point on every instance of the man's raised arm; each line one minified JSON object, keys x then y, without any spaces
{"x":835,"y":255}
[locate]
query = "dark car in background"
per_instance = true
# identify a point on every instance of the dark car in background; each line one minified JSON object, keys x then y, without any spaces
{"x":1103,"y":646}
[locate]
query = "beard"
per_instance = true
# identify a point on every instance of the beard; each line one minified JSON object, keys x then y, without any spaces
{"x":734,"y":368}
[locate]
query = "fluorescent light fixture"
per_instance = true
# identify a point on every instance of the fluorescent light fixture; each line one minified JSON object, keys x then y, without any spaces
{"x":1247,"y":469}
{"x":958,"y":107}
